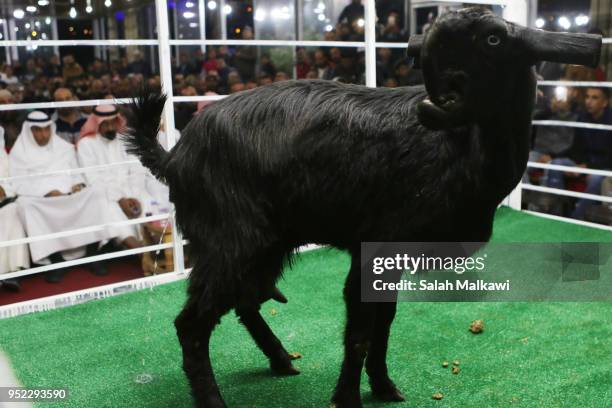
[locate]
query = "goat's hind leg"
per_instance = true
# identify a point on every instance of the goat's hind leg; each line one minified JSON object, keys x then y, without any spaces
{"x":382,"y":386}
{"x":194,"y":328}
{"x":257,"y":288}
{"x":270,"y":345}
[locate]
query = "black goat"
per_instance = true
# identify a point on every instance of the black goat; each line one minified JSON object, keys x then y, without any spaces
{"x":264,"y":171}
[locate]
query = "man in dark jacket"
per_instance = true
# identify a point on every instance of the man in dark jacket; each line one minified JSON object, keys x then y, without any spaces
{"x":592,"y":148}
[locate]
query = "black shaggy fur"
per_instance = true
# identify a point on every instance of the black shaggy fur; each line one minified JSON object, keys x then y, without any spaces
{"x":264,"y":171}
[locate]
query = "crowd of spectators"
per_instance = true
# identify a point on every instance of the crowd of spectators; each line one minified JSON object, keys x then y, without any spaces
{"x":588,"y":148}
{"x":225,"y":70}
{"x":45,"y":194}
{"x":219,"y":70}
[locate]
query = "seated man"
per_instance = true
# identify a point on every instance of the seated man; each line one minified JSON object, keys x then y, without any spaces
{"x":592,"y":148}
{"x":10,"y":120}
{"x":552,"y":142}
{"x":54,"y":203}
{"x":14,"y":257}
{"x":123,"y":185}
{"x":68,"y":121}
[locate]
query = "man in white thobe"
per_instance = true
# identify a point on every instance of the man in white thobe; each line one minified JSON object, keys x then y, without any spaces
{"x":51,"y":203}
{"x":130,"y":189}
{"x":14,"y":257}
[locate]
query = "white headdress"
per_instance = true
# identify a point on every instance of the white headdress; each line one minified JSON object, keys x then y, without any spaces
{"x":28,"y":154}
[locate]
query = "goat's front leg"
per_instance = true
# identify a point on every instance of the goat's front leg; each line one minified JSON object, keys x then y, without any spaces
{"x":382,"y":386}
{"x":357,"y":335}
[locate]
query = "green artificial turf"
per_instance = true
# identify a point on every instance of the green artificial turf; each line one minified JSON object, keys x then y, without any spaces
{"x":530,"y":354}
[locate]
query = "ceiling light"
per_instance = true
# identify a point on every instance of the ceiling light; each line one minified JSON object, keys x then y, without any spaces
{"x":564,"y":22}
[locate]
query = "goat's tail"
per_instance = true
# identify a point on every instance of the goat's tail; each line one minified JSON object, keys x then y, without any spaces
{"x":143,"y":127}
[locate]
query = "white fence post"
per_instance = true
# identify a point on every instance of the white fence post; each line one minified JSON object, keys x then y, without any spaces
{"x":516,"y":11}
{"x":370,"y":43}
{"x":165,"y":70}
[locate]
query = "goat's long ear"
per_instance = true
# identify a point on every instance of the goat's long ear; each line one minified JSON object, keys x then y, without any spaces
{"x":565,"y":48}
{"x":415,"y":44}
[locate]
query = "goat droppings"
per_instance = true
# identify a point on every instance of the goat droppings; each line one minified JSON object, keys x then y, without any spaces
{"x":477,"y":326}
{"x":437,"y":396}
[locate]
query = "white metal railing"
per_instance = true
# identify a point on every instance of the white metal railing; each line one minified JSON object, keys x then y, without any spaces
{"x":569,"y":220}
{"x":563,"y":123}
{"x":577,"y":84}
{"x":567,"y":193}
{"x":164,"y":42}
{"x":78,"y":170}
{"x":85,"y":295}
{"x":580,"y":170}
{"x":86,"y":260}
{"x":68,"y":104}
{"x":77,"y":43}
{"x":271,"y":43}
{"x":83,"y":230}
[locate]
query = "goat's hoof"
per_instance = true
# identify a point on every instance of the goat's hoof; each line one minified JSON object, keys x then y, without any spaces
{"x":283,"y":368}
{"x":212,"y":402}
{"x":390,"y":394}
{"x":341,"y":400}
{"x":295,"y":355}
{"x":291,"y":370}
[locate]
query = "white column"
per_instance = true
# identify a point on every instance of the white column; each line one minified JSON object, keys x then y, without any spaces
{"x":13,"y":37}
{"x":165,"y":68}
{"x":223,"y":19}
{"x":202,"y":15}
{"x":54,"y":35}
{"x":5,"y":35}
{"x":96,"y":36}
{"x":298,"y":15}
{"x":176,"y":36}
{"x":102,"y":25}
{"x":370,"y":43}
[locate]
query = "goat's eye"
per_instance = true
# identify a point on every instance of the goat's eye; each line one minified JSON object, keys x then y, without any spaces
{"x":493,"y":40}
